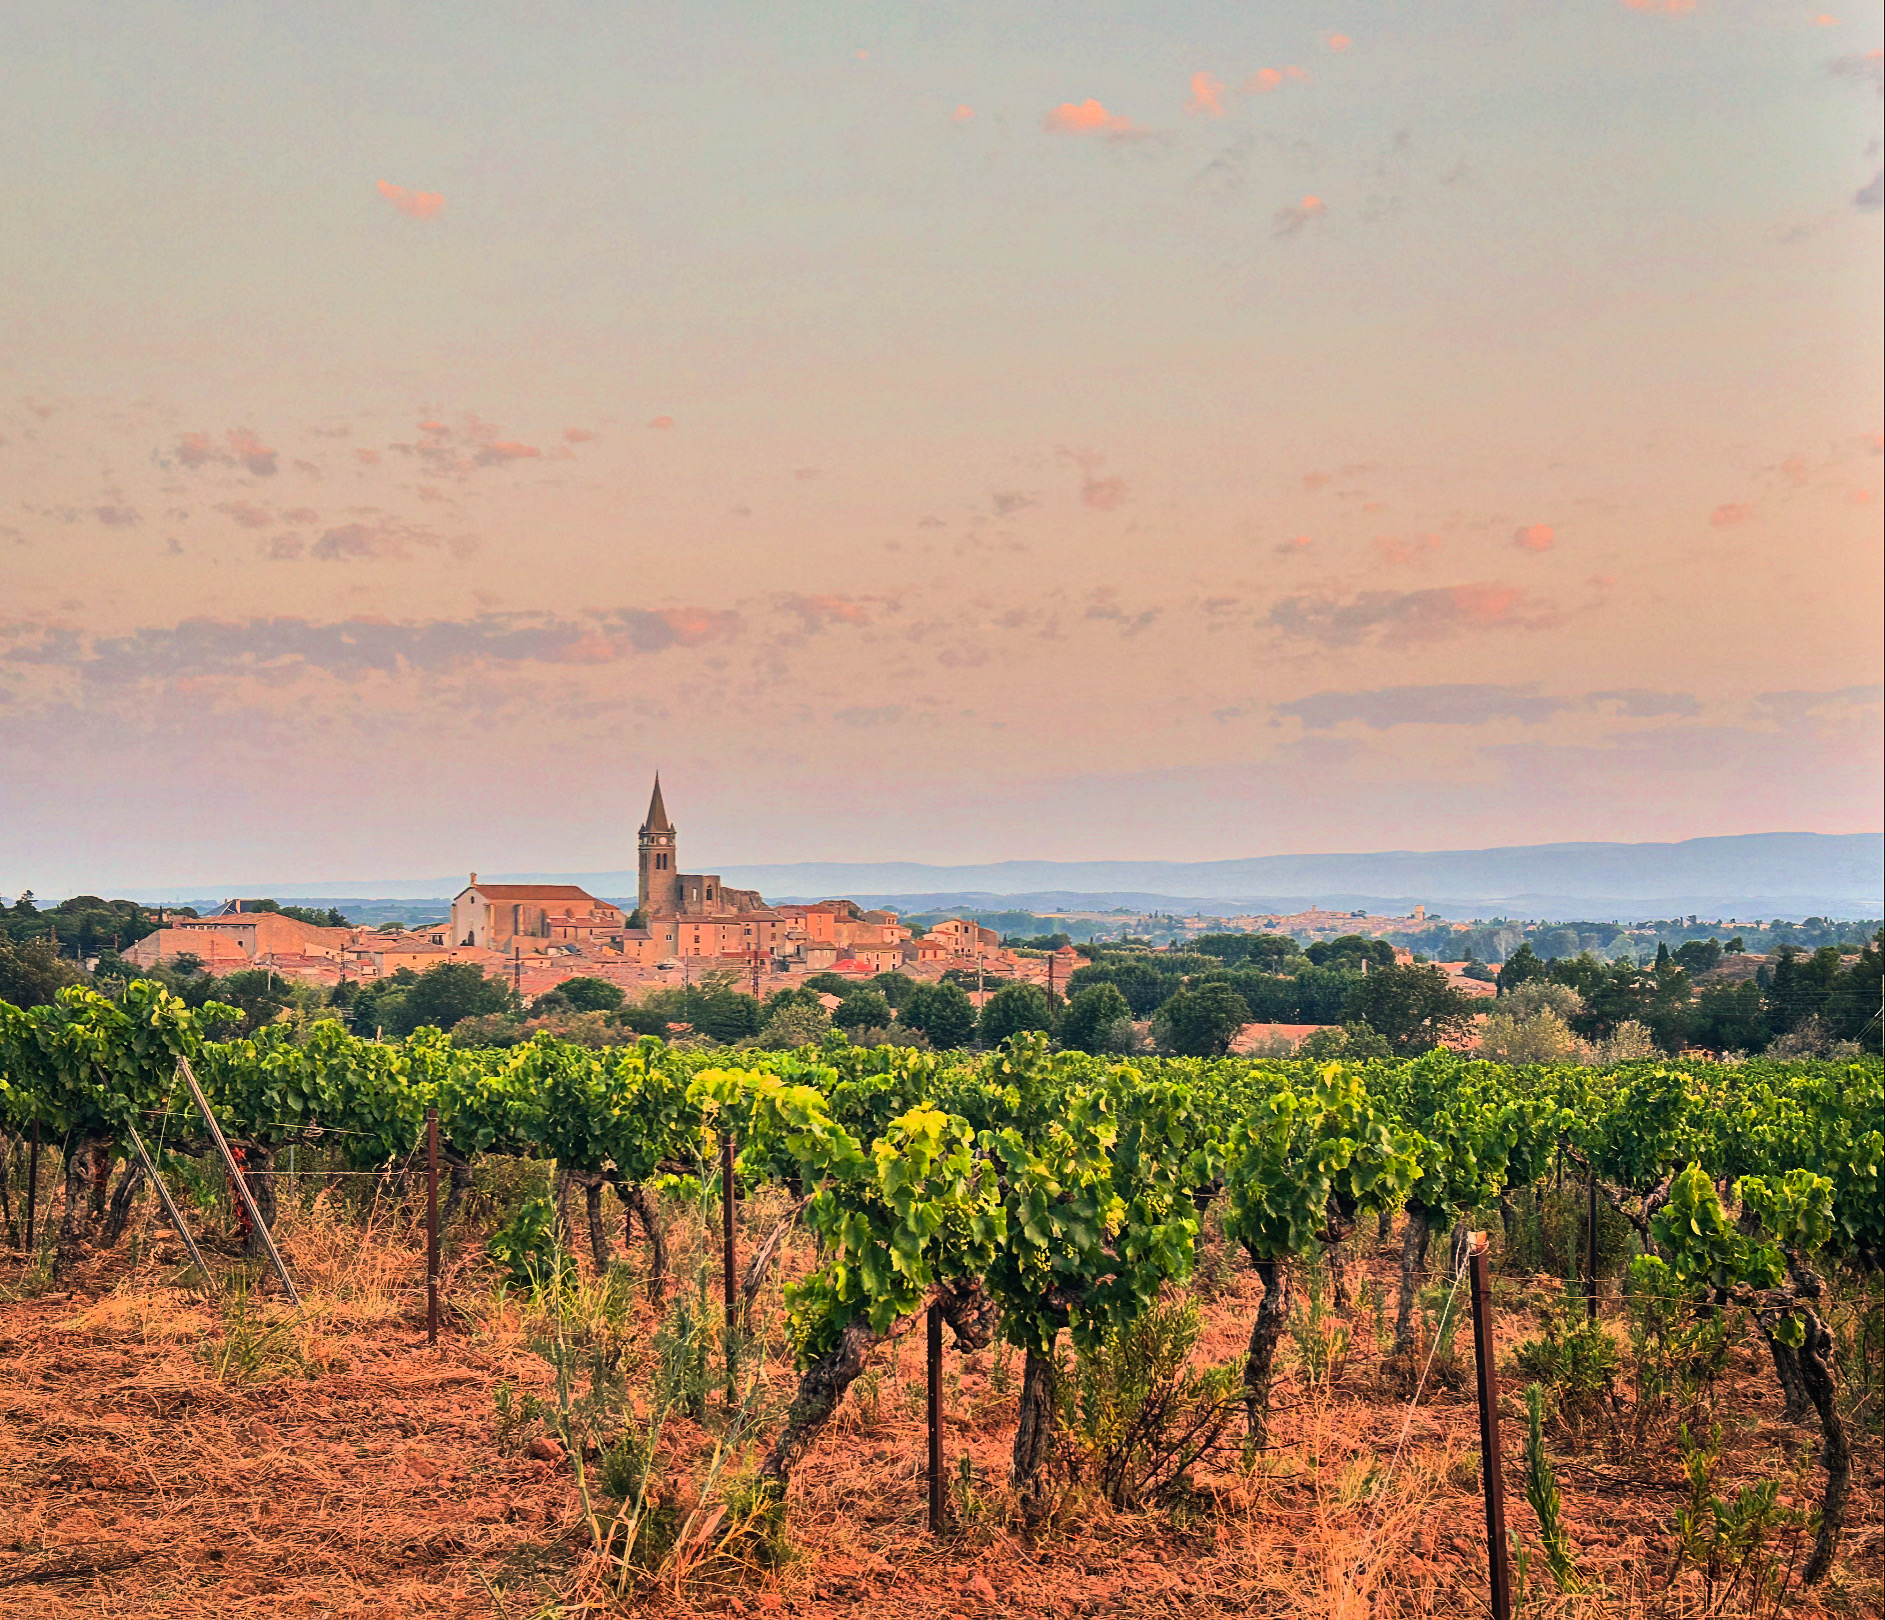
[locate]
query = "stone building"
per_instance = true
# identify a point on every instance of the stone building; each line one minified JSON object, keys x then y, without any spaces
{"x":492,"y":916}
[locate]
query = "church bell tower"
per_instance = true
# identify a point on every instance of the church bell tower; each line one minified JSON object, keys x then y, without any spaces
{"x":659,"y":875}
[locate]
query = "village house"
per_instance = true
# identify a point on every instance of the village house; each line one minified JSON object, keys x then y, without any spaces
{"x":237,"y":936}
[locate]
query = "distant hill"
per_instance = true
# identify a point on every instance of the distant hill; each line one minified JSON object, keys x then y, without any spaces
{"x":1753,"y":875}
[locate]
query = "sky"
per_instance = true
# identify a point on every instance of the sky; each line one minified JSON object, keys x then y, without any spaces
{"x":938,"y":433}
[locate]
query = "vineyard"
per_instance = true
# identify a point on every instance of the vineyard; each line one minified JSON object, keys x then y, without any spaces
{"x":1206,"y":1343}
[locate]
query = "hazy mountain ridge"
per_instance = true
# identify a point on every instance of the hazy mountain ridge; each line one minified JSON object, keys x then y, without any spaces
{"x":1749,"y":875}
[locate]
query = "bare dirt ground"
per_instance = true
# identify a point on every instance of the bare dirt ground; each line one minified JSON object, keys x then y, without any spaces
{"x":160,"y":1455}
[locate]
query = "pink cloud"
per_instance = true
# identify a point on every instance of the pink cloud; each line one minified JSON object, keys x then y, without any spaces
{"x":823,"y":610}
{"x":1299,"y":542}
{"x":251,"y":452}
{"x":1339,"y":42}
{"x":1294,"y":221}
{"x":691,"y":626}
{"x":195,"y":449}
{"x":1402,"y":617}
{"x":962,"y":114}
{"x":367,"y":458}
{"x":662,"y":423}
{"x":1536,"y":537}
{"x":1088,"y":118}
{"x":414,"y":204}
{"x":1727,"y":515}
{"x":240,"y":447}
{"x":1207,"y":96}
{"x":577,"y":435}
{"x":1402,"y":553}
{"x":301,"y":514}
{"x":1674,"y":8}
{"x":1264,"y":80}
{"x":247,"y":513}
{"x":1316,"y":480}
{"x":1794,"y":470}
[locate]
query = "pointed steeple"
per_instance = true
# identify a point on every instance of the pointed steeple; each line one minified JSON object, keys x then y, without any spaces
{"x":657,"y":812}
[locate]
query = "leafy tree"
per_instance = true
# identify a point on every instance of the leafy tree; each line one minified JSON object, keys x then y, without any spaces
{"x":1411,"y":1006}
{"x":1349,"y":952}
{"x":894,"y":986}
{"x":1852,"y":1003}
{"x":863,"y":1008}
{"x":314,"y":915}
{"x":32,"y":974}
{"x":591,"y":995}
{"x":645,"y":1017}
{"x":830,"y":984}
{"x":1732,"y":1018}
{"x":1354,"y":1042}
{"x":1097,"y":1020}
{"x":1138,"y":979}
{"x":259,"y":994}
{"x":794,"y":1025}
{"x":1268,"y":951}
{"x":1699,"y":956}
{"x":1202,"y":1022}
{"x":943,"y":1012}
{"x":1013,"y":1008}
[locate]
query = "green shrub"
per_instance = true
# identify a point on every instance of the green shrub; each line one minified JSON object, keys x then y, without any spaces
{"x":1141,"y":1417}
{"x":529,"y":1248}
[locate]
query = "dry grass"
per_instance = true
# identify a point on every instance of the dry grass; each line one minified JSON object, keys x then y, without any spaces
{"x":160,"y":1455}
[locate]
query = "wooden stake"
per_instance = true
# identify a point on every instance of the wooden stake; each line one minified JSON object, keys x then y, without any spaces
{"x":726,"y":1254}
{"x":935,"y":1423}
{"x":1491,"y":1474}
{"x":235,"y":1175}
{"x":32,"y":1192}
{"x":1590,"y":1251}
{"x":431,"y":1226}
{"x":170,"y":1209}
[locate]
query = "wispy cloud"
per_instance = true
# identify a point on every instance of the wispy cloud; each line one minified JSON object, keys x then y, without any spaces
{"x":456,"y":448}
{"x":1089,"y":118}
{"x":239,"y":447}
{"x":1383,"y":708}
{"x":284,"y":649}
{"x":817,"y":611}
{"x":1534,"y":537}
{"x":1730,"y":513}
{"x":1866,"y":68}
{"x":1400,"y":617}
{"x":246,"y":513}
{"x":1207,"y":96}
{"x":414,"y":204}
{"x":1294,"y":221}
{"x":1641,"y":703}
{"x":1264,"y":80}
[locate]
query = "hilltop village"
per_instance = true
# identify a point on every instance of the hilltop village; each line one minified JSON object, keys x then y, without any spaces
{"x":684,"y":926}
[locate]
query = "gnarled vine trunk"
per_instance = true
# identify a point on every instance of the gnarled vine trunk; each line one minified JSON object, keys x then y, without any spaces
{"x":1034,"y":1428}
{"x":598,"y":1233}
{"x":639,"y":1204}
{"x":1413,"y":1260}
{"x":118,"y":1210}
{"x":75,"y":1224}
{"x":7,"y":1217}
{"x":1265,"y":1333}
{"x":258,"y":1175}
{"x":1816,"y":1372}
{"x":965,"y":1306}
